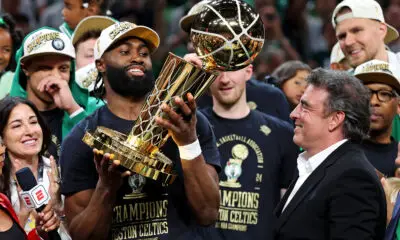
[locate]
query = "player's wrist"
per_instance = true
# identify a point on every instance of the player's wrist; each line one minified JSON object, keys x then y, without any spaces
{"x":106,"y":189}
{"x":190,"y":151}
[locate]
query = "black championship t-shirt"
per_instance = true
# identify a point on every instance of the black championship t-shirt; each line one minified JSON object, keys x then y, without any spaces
{"x":53,"y":119}
{"x":144,"y":209}
{"x":381,"y":156}
{"x":258,"y":158}
{"x":260,"y":96}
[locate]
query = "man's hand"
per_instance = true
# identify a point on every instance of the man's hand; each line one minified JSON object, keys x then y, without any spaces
{"x":110,"y":178}
{"x":194,"y":59}
{"x":60,"y":92}
{"x":182,"y":128}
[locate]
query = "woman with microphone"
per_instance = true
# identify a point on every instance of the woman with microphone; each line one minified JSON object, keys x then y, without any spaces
{"x":26,"y":137}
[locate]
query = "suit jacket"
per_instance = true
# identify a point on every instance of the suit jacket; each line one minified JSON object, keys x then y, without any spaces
{"x":341,"y":199}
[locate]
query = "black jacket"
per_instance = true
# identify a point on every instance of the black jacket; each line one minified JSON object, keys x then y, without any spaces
{"x":341,"y":199}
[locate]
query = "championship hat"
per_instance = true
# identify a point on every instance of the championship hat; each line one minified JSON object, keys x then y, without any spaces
{"x":377,"y":71}
{"x":46,"y":41}
{"x":91,"y":23}
{"x":121,"y":30}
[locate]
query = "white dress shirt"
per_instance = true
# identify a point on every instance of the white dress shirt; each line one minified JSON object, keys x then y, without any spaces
{"x":307,"y":165}
{"x":394,"y":61}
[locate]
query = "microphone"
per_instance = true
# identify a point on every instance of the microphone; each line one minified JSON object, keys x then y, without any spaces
{"x":34,"y":195}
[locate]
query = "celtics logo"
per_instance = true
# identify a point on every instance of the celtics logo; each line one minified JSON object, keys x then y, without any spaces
{"x":136,"y":182}
{"x":233,"y":168}
{"x":58,"y":44}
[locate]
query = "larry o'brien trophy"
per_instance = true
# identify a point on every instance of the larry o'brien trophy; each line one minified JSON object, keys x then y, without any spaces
{"x":227,"y":35}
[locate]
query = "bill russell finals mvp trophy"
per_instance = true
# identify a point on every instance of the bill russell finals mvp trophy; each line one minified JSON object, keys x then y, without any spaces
{"x":227,"y":35}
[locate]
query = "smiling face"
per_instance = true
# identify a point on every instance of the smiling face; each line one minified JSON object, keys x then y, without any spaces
{"x":310,"y":119}
{"x":22,"y":135}
{"x":127,"y":68}
{"x":360,"y":39}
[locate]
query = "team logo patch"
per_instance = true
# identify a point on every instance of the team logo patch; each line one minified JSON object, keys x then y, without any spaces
{"x":233,"y":168}
{"x":266,"y":130}
{"x":136,"y":182}
{"x":58,"y":44}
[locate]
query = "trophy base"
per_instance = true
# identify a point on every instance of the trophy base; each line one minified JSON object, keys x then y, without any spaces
{"x":155,"y":165}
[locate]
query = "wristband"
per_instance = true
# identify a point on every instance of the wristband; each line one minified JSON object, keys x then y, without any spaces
{"x":190,"y":151}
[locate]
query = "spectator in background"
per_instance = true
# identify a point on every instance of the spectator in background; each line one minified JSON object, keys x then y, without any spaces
{"x":368,"y":43}
{"x":51,"y":15}
{"x":362,"y":34}
{"x":274,"y":36}
{"x":338,"y":60}
{"x":380,"y":148}
{"x":22,"y":22}
{"x":10,"y":41}
{"x":27,"y":8}
{"x":295,"y":26}
{"x":85,"y":36}
{"x":76,"y":10}
{"x":270,"y":58}
{"x":84,"y":39}
{"x":291,"y":78}
{"x":320,"y":33}
{"x":45,"y":76}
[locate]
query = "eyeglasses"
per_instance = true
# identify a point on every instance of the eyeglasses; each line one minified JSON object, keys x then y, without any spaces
{"x":383,"y":95}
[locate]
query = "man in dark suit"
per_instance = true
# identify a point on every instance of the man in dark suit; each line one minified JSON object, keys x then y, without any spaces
{"x":337,"y":194}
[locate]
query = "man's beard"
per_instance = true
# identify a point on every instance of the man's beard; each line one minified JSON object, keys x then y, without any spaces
{"x":127,"y":86}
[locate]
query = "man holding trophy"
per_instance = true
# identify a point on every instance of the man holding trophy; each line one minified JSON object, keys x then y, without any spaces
{"x":160,"y":181}
{"x":138,"y":207}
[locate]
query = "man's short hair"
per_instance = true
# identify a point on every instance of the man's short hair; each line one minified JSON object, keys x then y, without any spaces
{"x":347,"y":94}
{"x":92,"y":34}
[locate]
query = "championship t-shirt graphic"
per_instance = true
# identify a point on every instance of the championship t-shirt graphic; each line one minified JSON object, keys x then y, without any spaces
{"x":258,"y":158}
{"x":144,"y":209}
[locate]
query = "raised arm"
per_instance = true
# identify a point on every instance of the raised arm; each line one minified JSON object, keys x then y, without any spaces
{"x":200,"y":178}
